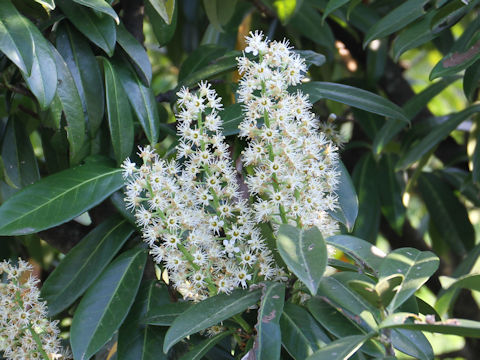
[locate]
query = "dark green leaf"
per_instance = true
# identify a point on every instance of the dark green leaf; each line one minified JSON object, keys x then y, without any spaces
{"x":396,"y":19}
{"x":119,"y":114}
{"x":391,"y":194}
{"x":141,"y":99}
{"x":82,"y":265}
{"x":136,"y":340}
{"x":163,"y":30}
{"x":416,"y":267}
{"x":354,"y":97}
{"x":363,"y":252}
{"x":341,"y":349}
{"x":231,"y":117}
{"x":209,"y":312}
{"x":165,"y":314}
{"x":85,"y":71}
{"x":304,"y":252}
{"x":461,"y":327}
{"x":476,"y":157}
{"x":221,"y":65}
{"x":332,"y":6}
{"x":311,"y":57}
{"x":219,"y":12}
{"x":16,"y":39}
{"x":438,"y":134}
{"x":58,"y":198}
{"x":203,"y":347}
{"x":456,"y":61}
{"x":393,"y":126}
{"x":347,"y":199}
{"x":199,"y":59}
{"x":20,"y":164}
{"x":164,"y":8}
{"x":368,"y":219}
{"x":268,"y":342}
{"x":136,"y":54}
{"x":309,"y":23}
{"x":447,"y":213}
{"x":101,"y":6}
{"x":471,"y":80}
{"x":412,"y":343}
{"x":449,"y":14}
{"x":301,"y":334}
{"x":380,"y":294}
{"x":106,"y":304}
{"x":98,"y":29}
{"x":72,"y":107}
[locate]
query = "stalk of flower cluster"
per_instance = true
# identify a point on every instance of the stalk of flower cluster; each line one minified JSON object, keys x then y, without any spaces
{"x":191,"y":210}
{"x":294,"y":164}
{"x":25,"y":332}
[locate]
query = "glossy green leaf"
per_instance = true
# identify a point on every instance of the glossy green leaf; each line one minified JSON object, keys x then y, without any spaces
{"x":341,"y":349}
{"x":414,"y":35}
{"x":347,"y":199}
{"x":308,"y":22}
{"x":42,"y":80}
{"x":141,"y":99}
{"x":393,"y":126}
{"x":391,"y":194}
{"x":84,"y":263}
{"x":165,"y":314}
{"x":98,"y":29}
{"x":219,"y":12}
{"x":136,"y":340}
{"x":470,"y":281}
{"x":268,"y":342}
{"x":101,"y":6}
{"x":162,"y":29}
{"x":85,"y":71}
{"x":449,"y":14}
{"x":58,"y":198}
{"x":209,"y":312}
{"x":72,"y":107}
{"x":301,"y":334}
{"x":304,"y":252}
{"x":203,"y":347}
{"x":368,"y":219}
{"x":438,"y":134}
{"x":447,"y":213}
{"x":461,"y":180}
{"x":311,"y":57}
{"x":119,"y":114}
{"x":396,"y":19}
{"x":164,"y":8}
{"x":106,"y":304}
{"x":456,"y":61}
{"x":200,"y":58}
{"x":136,"y":54}
{"x":336,"y":289}
{"x":354,"y":97}
{"x":416,"y":267}
{"x":231,"y":116}
{"x":363,"y":252}
{"x":471,"y":80}
{"x":339,"y":325}
{"x":379,"y":294}
{"x":461,"y":327}
{"x":476,"y":158}
{"x":16,"y":40}
{"x":223,"y":64}
{"x":412,"y":343}
{"x":19,"y":161}
{"x":333,"y":5}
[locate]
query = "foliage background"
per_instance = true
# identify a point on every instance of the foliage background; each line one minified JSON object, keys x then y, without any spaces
{"x":417,"y":182}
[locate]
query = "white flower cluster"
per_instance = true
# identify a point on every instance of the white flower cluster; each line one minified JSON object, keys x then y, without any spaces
{"x":25,"y":332}
{"x":295,"y":172}
{"x":191,"y":211}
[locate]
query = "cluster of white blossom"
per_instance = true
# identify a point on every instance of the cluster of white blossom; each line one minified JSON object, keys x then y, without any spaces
{"x":190,"y":209}
{"x":295,"y":165}
{"x":25,"y":332}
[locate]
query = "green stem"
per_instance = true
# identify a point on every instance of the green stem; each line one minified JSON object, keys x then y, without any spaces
{"x":38,"y":342}
{"x":238,"y":318}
